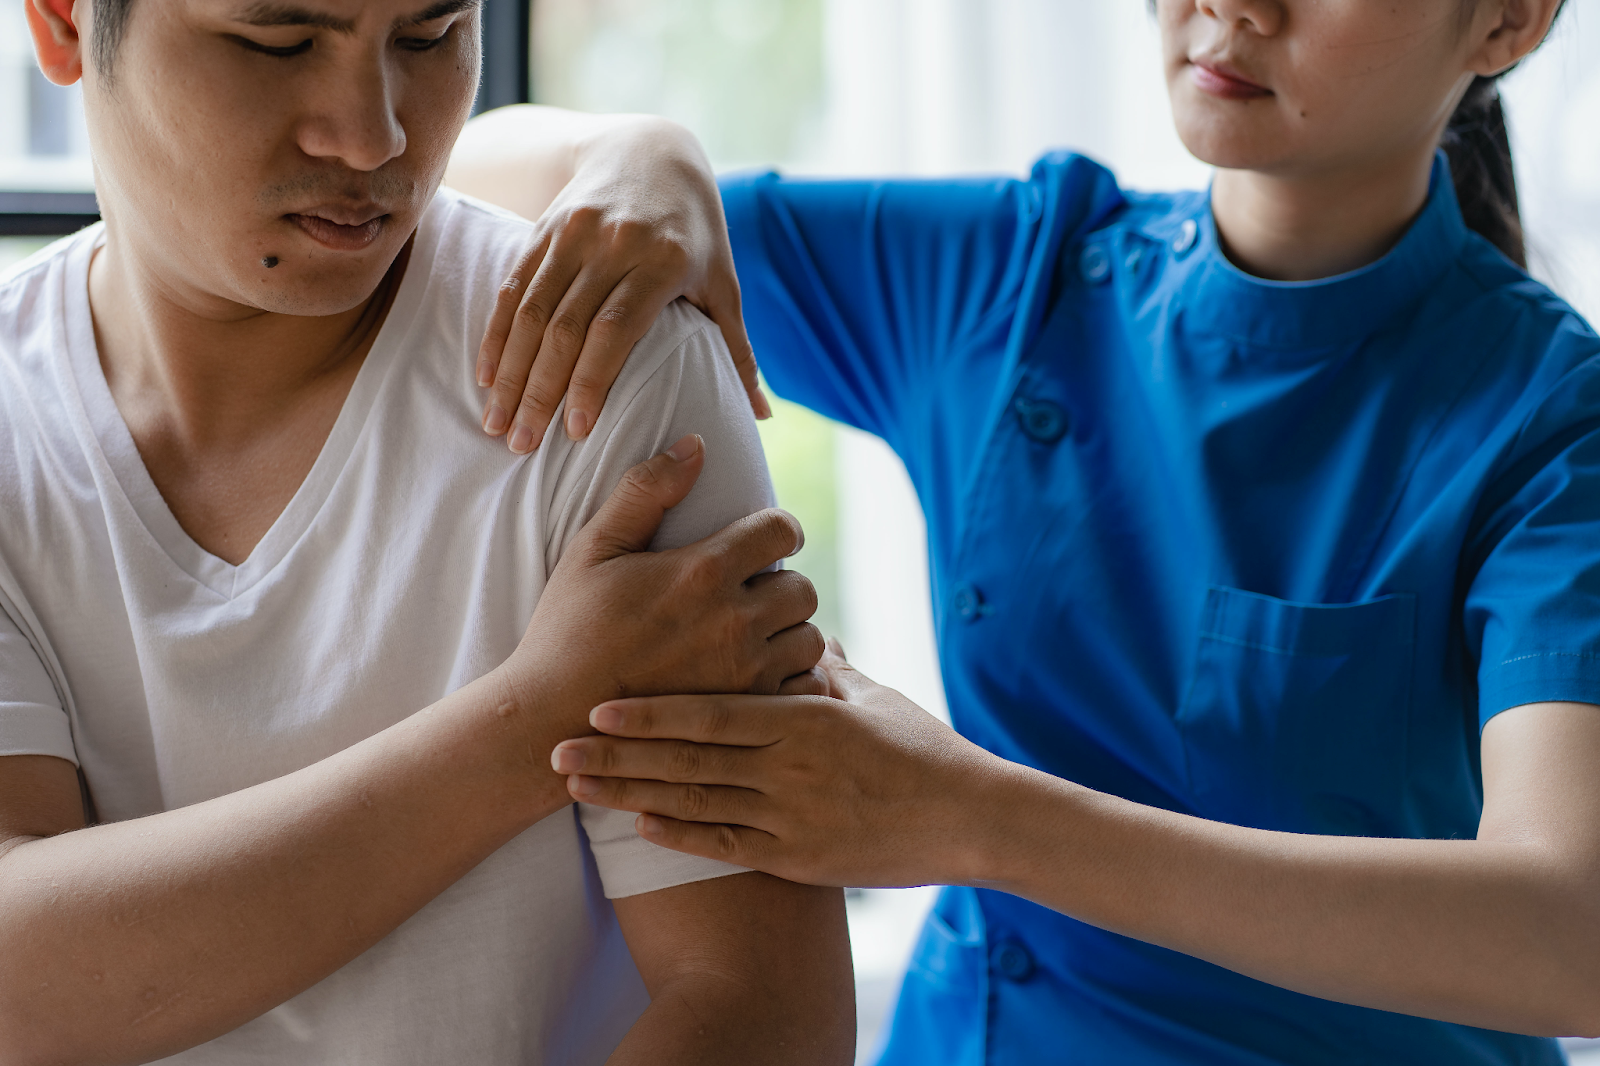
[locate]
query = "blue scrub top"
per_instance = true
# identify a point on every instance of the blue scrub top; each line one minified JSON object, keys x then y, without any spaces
{"x":1261,"y":552}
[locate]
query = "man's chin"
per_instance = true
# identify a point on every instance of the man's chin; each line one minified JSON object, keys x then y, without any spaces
{"x":314,"y":290}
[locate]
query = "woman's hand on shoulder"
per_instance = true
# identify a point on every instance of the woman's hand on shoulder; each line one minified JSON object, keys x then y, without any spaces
{"x":629,"y":219}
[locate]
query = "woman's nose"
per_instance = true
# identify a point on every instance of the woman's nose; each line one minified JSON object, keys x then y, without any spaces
{"x":1264,"y":18}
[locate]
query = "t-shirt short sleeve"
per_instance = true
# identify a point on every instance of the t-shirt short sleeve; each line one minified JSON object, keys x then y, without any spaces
{"x":32,"y":720}
{"x":1532,"y":611}
{"x":693,"y":389}
{"x":860,"y":296}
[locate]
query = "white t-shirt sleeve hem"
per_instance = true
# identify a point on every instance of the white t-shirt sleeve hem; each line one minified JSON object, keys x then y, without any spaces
{"x":630,"y":865}
{"x":34,"y":729}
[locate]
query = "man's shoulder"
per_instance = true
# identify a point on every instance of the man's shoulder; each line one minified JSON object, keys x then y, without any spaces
{"x":471,"y":238}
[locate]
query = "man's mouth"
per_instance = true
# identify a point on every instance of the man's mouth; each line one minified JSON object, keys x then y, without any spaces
{"x":341,"y":229}
{"x":1219,"y":79}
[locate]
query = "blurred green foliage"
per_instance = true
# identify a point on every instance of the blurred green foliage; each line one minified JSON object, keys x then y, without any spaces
{"x":745,"y":75}
{"x":799,"y":447}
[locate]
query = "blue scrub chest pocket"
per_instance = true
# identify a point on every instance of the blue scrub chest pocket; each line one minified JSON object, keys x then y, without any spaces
{"x":1296,"y":714}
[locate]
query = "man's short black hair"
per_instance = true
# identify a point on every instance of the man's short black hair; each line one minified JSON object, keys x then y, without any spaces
{"x":110,"y":20}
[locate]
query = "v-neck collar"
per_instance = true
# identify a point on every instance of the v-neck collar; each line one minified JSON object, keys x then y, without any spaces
{"x":127,"y":468}
{"x":1219,"y":298}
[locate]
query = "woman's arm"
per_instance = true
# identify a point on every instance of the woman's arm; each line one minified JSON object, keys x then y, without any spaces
{"x":1500,"y":932}
{"x":740,"y":969}
{"x":629,"y":219}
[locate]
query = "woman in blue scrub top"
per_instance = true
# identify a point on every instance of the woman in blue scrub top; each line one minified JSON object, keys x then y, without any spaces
{"x":1264,"y":528}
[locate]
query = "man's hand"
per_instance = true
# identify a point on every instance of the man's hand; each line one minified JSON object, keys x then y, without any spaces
{"x":636,"y":224}
{"x":861,"y":788}
{"x":617,"y":621}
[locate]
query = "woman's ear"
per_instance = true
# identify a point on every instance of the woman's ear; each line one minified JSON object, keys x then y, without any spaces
{"x":1507,"y":30}
{"x":56,"y":40}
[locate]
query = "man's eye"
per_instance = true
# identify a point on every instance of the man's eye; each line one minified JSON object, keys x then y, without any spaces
{"x":281,"y":51}
{"x":421,"y":44}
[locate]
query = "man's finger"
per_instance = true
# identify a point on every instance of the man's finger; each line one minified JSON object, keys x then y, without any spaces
{"x":629,"y":518}
{"x":793,"y":651}
{"x":737,"y":844}
{"x":742,"y":721}
{"x":626,"y":316}
{"x":784,"y":599}
{"x":753,"y":543}
{"x":689,"y":803}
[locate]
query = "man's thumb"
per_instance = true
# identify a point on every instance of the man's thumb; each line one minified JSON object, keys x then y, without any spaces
{"x":629,"y":518}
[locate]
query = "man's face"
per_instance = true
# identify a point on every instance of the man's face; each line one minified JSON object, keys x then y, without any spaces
{"x":232,"y":134}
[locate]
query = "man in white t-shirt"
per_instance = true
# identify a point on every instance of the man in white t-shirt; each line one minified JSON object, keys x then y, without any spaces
{"x":275,"y":724}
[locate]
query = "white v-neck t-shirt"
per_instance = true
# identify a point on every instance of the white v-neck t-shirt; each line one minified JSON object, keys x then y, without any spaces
{"x":406,"y":566}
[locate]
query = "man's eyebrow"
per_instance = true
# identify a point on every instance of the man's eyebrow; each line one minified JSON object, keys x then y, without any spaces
{"x":273,"y":14}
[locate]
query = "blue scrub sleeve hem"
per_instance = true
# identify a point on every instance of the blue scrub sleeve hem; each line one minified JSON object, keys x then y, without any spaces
{"x":1569,"y":677}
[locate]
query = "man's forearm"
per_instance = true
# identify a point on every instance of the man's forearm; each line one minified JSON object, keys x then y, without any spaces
{"x":129,"y":941}
{"x":1501,"y":934}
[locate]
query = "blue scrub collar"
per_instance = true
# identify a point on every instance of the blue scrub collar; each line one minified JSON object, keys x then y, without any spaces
{"x":1219,"y":298}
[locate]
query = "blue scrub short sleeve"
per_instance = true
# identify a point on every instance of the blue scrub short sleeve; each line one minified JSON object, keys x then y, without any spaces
{"x":1532,"y":611}
{"x":859,"y":293}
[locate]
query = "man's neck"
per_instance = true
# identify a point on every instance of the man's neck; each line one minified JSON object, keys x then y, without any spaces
{"x":1301,"y":228}
{"x":229,"y":405}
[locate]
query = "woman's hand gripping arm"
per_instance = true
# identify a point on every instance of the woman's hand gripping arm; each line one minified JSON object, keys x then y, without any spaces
{"x":1501,"y":932}
{"x":628,"y":219}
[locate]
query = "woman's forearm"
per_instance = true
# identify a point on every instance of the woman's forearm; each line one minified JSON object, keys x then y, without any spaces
{"x":1498,"y":934}
{"x":129,"y":941}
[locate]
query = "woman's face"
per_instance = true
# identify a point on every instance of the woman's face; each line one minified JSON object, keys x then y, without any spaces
{"x":1307,"y":87}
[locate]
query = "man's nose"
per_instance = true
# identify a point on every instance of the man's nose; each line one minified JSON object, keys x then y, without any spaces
{"x":1264,"y":18}
{"x":355,"y":119}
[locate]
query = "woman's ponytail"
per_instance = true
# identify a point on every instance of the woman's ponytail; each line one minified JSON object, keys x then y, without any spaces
{"x":1479,"y":151}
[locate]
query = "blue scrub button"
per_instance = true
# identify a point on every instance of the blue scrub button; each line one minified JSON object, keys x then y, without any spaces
{"x":1043,"y":420}
{"x":1186,"y":236}
{"x":1011,"y":960}
{"x":1095,"y":264}
{"x":968,"y":602}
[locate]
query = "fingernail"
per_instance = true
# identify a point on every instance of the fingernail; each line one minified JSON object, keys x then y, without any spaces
{"x":763,"y":408}
{"x":582,"y":787}
{"x":494,"y":423}
{"x":606,"y":719}
{"x":565,"y":760}
{"x":522,"y":439}
{"x":648,"y":825}
{"x":485,"y":373}
{"x":577,"y":425}
{"x":685,"y":448}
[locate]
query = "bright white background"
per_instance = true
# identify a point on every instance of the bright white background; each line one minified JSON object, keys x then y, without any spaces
{"x":907,"y":86}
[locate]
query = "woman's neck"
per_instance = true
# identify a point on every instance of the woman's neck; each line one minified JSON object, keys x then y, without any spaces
{"x":1300,"y":228}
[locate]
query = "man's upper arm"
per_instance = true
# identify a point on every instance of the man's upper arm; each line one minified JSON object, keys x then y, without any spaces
{"x":39,"y":797}
{"x":758,"y":958}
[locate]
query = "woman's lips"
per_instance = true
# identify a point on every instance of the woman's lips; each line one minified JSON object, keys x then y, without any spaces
{"x":1221,"y":81}
{"x":339,"y":237}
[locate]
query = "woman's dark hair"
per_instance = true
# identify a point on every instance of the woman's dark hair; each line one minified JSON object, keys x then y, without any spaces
{"x":1479,"y":150}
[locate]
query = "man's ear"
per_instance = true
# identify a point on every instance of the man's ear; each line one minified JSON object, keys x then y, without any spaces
{"x":1512,"y":30}
{"x":56,"y":40}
